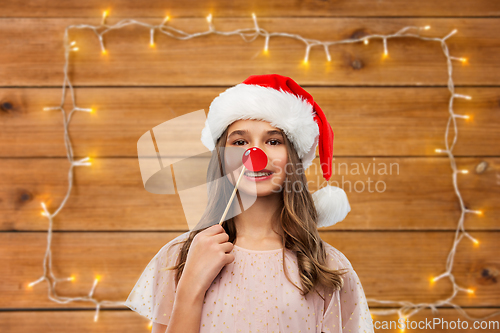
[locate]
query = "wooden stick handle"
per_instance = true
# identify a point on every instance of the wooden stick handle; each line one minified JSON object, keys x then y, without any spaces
{"x":232,"y":195}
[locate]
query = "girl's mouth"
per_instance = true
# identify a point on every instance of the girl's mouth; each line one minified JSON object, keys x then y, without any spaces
{"x":258,"y":176}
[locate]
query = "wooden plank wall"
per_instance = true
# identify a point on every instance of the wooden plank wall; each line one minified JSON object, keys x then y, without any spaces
{"x":392,"y":110}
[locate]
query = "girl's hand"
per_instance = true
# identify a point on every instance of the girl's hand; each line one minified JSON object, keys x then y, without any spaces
{"x":208,"y":254}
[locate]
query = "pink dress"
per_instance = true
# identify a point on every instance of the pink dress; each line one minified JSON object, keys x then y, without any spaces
{"x":252,"y":294}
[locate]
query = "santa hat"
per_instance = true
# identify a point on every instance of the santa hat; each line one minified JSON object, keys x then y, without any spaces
{"x":285,"y":105}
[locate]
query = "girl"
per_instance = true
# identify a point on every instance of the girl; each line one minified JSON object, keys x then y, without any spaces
{"x":265,"y":269}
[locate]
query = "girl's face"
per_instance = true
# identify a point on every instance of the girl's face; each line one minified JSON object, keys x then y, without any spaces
{"x":249,"y":133}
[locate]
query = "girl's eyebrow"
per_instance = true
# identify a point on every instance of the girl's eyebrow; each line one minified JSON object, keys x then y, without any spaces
{"x":243,"y":132}
{"x":238,"y":132}
{"x":274,"y":132}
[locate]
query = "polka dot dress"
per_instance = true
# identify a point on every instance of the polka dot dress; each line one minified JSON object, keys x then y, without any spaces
{"x":252,"y":294}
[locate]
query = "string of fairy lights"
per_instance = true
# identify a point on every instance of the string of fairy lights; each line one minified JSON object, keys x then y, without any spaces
{"x":407,"y":309}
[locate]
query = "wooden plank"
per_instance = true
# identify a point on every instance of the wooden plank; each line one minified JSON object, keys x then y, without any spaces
{"x":399,"y":266}
{"x":393,"y":194}
{"x":366,"y":121}
{"x":111,"y":321}
{"x":223,"y":8}
{"x":34,"y":52}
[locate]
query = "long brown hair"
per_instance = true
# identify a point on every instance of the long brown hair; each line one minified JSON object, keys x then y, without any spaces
{"x":297,"y":215}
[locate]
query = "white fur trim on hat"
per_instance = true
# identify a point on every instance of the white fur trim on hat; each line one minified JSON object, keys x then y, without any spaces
{"x":331,"y":204}
{"x":284,"y":110}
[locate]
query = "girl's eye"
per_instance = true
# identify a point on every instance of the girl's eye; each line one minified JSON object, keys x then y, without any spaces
{"x":275,"y":140}
{"x":272,"y":140}
{"x":234,"y":143}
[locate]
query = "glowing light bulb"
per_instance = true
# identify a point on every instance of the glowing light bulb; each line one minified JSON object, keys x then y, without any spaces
{"x":476,"y":242}
{"x":386,"y":53}
{"x":427,"y":27}
{"x":366,"y":41}
{"x":470,"y":291}
{"x":253,"y":16}
{"x":104,"y":51}
{"x":74,"y":49}
{"x":209,"y":18}
{"x":104,"y":15}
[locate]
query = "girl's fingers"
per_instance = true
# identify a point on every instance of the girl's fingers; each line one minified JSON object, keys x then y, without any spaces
{"x":227,"y":247}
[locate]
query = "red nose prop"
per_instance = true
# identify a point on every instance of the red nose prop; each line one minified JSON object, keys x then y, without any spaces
{"x":254,"y":159}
